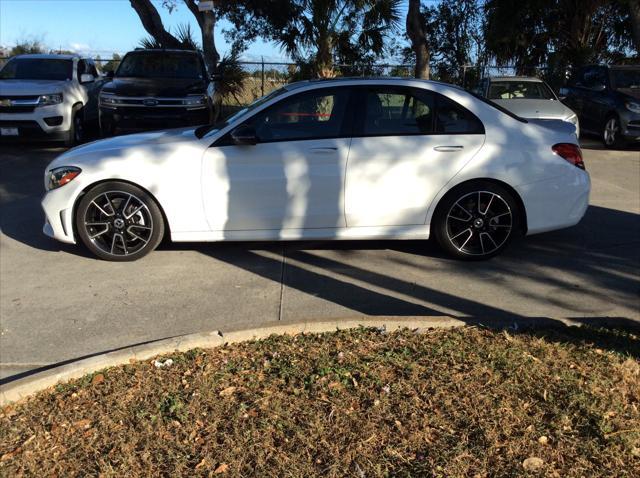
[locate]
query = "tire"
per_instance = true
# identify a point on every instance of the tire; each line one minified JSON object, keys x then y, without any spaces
{"x":611,"y":136}
{"x":476,"y":221}
{"x":119,"y":222}
{"x":75,"y":135}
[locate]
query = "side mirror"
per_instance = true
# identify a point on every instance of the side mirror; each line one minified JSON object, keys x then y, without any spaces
{"x":87,"y":78}
{"x":244,"y":135}
{"x":109,"y":74}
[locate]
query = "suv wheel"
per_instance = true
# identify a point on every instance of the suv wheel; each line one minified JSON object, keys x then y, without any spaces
{"x":75,"y":135}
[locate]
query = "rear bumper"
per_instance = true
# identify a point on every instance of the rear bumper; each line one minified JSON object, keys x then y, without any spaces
{"x":556,"y":203}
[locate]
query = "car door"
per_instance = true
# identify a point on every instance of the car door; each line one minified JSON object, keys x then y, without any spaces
{"x":408,"y":145}
{"x":293,"y":177}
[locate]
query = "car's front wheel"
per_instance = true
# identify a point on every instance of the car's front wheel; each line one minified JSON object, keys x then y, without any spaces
{"x":476,"y":220}
{"x":119,"y":222}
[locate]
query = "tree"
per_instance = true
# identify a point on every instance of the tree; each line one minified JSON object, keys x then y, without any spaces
{"x":31,"y":45}
{"x":319,"y":32}
{"x":558,"y":33}
{"x":112,"y":64}
{"x":634,"y":14}
{"x":152,"y":23}
{"x":454,"y":33}
{"x":417,"y":33}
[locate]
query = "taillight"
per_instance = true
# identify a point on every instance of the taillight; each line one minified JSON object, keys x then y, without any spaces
{"x":569,"y":152}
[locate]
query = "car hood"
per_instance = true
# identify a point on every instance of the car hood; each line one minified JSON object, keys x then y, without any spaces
{"x":543,"y":109}
{"x":31,"y":87}
{"x":155,"y":143}
{"x":168,"y":87}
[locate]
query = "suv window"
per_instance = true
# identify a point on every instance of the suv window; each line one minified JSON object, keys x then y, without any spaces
{"x":37,"y":69}
{"x":397,"y":111}
{"x":313,"y":114}
{"x":161,"y":65}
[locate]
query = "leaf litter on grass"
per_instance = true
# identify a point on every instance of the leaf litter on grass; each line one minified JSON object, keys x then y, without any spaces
{"x":451,"y":403}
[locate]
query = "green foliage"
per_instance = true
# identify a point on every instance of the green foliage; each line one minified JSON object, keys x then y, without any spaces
{"x":25,"y":46}
{"x":183,"y":33}
{"x":112,"y":64}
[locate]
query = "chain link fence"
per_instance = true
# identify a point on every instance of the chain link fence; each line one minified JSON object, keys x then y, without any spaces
{"x":262,"y":77}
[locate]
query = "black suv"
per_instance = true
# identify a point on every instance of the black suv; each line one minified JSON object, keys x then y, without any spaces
{"x":156,"y":89}
{"x":607,"y":101}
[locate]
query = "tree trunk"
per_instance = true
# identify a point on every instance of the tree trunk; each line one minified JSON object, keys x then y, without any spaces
{"x":634,"y":9}
{"x":416,"y":32}
{"x":152,"y":23}
{"x":324,"y":57}
{"x":207,"y":23}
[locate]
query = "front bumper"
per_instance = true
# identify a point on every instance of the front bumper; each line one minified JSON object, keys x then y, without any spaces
{"x":45,"y":122}
{"x":630,"y":126}
{"x":145,"y":118}
{"x":58,"y":209}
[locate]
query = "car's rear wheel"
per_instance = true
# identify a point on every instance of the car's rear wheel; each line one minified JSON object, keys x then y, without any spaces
{"x":611,"y":134}
{"x":119,"y":222}
{"x":476,"y":221}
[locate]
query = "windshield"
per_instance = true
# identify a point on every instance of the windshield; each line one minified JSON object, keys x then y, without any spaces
{"x":625,"y":78}
{"x":203,"y":130}
{"x":161,"y":65}
{"x":37,"y":69}
{"x":518,"y":90}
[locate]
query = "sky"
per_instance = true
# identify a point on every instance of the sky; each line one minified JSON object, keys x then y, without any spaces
{"x":99,"y":27}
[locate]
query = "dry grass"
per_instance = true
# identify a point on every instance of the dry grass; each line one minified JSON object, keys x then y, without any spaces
{"x":460,"y":403}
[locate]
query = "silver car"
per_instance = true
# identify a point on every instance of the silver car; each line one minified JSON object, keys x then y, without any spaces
{"x":527,"y":97}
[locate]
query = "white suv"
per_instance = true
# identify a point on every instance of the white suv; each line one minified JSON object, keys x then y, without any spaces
{"x":48,"y":97}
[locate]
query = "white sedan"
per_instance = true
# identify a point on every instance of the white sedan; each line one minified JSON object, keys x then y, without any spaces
{"x":326,"y":159}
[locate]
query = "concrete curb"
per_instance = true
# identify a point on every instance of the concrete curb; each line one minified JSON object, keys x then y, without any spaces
{"x":21,"y":388}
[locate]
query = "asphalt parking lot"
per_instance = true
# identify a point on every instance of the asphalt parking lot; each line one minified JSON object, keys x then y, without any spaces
{"x":57,"y":303}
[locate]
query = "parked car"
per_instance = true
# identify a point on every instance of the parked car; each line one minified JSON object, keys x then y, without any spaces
{"x":50,"y":97}
{"x":154,"y":89}
{"x":607,"y":100}
{"x":326,"y":159}
{"x":527,"y":97}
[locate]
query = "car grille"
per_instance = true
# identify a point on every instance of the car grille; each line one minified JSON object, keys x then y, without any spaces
{"x":18,"y":104}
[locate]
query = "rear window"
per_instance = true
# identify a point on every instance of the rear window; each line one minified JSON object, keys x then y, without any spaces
{"x":37,"y":69}
{"x":526,"y":90}
{"x":498,"y":107}
{"x":161,"y":65}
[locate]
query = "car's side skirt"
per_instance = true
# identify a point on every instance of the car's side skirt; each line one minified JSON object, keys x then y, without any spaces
{"x":420,"y":231}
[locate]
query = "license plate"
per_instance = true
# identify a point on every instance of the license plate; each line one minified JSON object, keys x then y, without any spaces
{"x":8,"y":131}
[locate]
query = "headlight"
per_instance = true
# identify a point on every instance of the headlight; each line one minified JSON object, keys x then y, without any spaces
{"x":633,"y":106}
{"x":194,"y":101}
{"x":46,"y":100}
{"x":61,"y":176}
{"x":572,"y":119}
{"x":107,"y":99}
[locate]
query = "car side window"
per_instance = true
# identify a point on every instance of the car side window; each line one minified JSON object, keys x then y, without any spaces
{"x":313,"y":114}
{"x":452,"y":118}
{"x":392,"y":111}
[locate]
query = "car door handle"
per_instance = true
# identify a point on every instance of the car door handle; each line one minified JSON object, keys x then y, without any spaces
{"x":323,"y":150}
{"x":448,"y":149}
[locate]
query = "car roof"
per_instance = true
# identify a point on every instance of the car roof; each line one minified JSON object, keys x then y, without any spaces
{"x":363,"y":80}
{"x":163,"y":50}
{"x":515,"y":78}
{"x":49,"y":56}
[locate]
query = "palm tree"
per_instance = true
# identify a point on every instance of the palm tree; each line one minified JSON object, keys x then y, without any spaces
{"x":352,"y":30}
